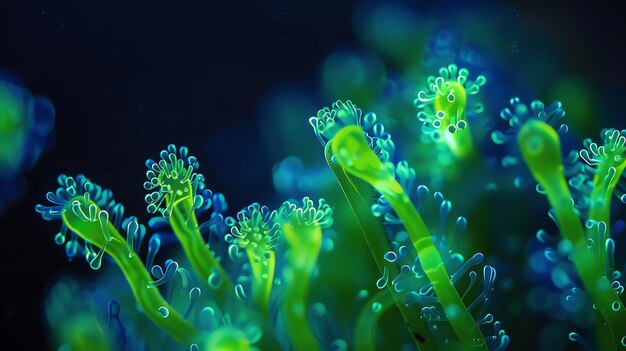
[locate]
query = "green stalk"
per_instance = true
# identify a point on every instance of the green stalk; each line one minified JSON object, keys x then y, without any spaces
{"x":263,"y":277}
{"x":356,"y":157}
{"x":366,"y":323}
{"x":604,"y":183}
{"x":185,"y":226}
{"x":361,"y":197}
{"x":104,"y":235}
{"x":304,"y":247}
{"x":541,"y":149}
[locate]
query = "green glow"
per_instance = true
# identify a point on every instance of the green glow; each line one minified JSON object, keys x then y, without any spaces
{"x":228,"y":339}
{"x":258,"y":238}
{"x":84,"y":218}
{"x":356,"y":157}
{"x":541,"y":149}
{"x":180,"y":201}
{"x":444,"y":106}
{"x":12,"y":130}
{"x":305,"y":239}
{"x":361,"y":197}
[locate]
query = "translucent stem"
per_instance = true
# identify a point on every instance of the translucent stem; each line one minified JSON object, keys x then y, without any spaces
{"x":355,"y":156}
{"x":185,"y":226}
{"x":263,"y":277}
{"x":302,"y":257}
{"x":147,"y":295}
{"x":361,"y":197}
{"x":541,"y":148}
{"x":367,"y":322}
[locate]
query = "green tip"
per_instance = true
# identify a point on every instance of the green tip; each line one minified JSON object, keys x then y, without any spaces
{"x":541,"y":148}
{"x":354,"y":154}
{"x":228,"y":339}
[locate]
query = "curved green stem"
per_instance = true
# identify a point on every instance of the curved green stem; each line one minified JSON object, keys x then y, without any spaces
{"x":460,"y":143}
{"x":305,"y":243}
{"x":185,"y":227}
{"x":365,"y":330}
{"x":604,"y":182}
{"x":541,"y":149}
{"x":355,"y":156}
{"x":108,"y":239}
{"x":361,"y":197}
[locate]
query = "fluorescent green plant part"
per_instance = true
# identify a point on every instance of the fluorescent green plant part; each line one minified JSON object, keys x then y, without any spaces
{"x":540,"y":146}
{"x":256,"y":232}
{"x":92,"y":224}
{"x":609,"y":161}
{"x":444,"y":106}
{"x":174,"y":186}
{"x":302,"y":228}
{"x":228,"y":339}
{"x":367,"y":322}
{"x":361,"y":197}
{"x":356,"y":157}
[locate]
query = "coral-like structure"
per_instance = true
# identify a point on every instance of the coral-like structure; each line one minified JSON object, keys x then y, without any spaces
{"x":345,"y":132}
{"x":208,"y":306}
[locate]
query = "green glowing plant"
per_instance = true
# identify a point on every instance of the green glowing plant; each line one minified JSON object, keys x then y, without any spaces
{"x":359,"y":152}
{"x":444,"y":107}
{"x":229,"y":320}
{"x":540,"y":146}
{"x":355,"y":156}
{"x":256,"y":231}
{"x":302,"y":227}
{"x":175,"y":195}
{"x":84,"y":216}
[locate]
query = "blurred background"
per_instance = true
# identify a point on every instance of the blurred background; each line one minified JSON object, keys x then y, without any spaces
{"x":236,"y":82}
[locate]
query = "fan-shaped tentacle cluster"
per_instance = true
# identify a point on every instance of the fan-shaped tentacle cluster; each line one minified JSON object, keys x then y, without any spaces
{"x":444,"y":104}
{"x":330,"y":120}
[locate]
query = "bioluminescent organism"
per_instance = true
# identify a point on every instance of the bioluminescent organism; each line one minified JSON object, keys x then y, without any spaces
{"x":361,"y":197}
{"x":445,"y":107}
{"x":207,"y":307}
{"x":590,"y":247}
{"x":302,"y":227}
{"x":26,"y":123}
{"x":177,"y":192}
{"x":363,"y":163}
{"x":256,"y":231}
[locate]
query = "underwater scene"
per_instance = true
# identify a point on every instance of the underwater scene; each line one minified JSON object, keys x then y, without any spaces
{"x":322,"y":175}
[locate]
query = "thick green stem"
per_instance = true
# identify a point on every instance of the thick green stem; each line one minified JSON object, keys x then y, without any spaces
{"x":365,"y":330}
{"x":355,"y":156}
{"x":146,"y":294}
{"x":460,"y":141}
{"x":185,"y":226}
{"x":361,"y":197}
{"x":304,"y":246}
{"x":541,"y":148}
{"x":604,"y":182}
{"x":263,"y":278}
